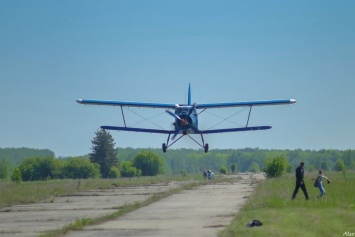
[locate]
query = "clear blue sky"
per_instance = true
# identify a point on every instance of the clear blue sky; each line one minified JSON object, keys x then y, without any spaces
{"x":54,"y":52}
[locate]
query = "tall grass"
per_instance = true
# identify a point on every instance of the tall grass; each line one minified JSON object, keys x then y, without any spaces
{"x":331,"y":215}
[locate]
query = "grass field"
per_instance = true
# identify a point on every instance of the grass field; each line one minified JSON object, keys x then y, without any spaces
{"x":332,"y":215}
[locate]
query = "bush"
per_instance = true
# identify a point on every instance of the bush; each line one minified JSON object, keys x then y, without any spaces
{"x":223,"y":170}
{"x":254,"y":167}
{"x":114,"y":173}
{"x":275,"y":167}
{"x":48,"y":168}
{"x":77,"y":168}
{"x":128,"y":170}
{"x":149,"y":163}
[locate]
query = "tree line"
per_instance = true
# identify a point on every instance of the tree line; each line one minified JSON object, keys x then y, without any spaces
{"x":106,"y":161}
{"x":245,"y":160}
{"x":102,"y":162}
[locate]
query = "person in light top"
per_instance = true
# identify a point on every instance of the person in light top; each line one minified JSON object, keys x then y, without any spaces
{"x":320,"y":183}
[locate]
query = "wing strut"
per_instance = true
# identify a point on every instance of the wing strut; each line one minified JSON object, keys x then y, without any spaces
{"x":248,"y":116}
{"x":124,"y":120}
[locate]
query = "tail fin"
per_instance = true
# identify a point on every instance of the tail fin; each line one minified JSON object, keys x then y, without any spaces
{"x":189,"y":96}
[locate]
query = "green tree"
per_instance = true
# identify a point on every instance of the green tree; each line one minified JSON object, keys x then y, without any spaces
{"x":16,"y":175}
{"x":233,"y":167}
{"x":149,"y":162}
{"x":254,"y":167}
{"x":340,"y":166}
{"x":275,"y":167}
{"x":324,"y":165}
{"x":29,"y":169}
{"x":103,"y":152}
{"x":348,"y":158}
{"x":4,"y":169}
{"x":40,"y":168}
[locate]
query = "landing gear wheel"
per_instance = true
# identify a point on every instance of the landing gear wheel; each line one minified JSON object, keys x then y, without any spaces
{"x":206,"y":148}
{"x":163,"y":147}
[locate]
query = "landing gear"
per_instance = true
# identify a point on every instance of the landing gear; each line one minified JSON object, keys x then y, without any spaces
{"x":204,"y":145}
{"x":163,"y":147}
{"x":206,"y":148}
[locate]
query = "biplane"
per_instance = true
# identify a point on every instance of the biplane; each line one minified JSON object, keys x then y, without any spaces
{"x":186,"y":117}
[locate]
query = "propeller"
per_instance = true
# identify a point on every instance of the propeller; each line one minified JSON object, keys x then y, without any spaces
{"x":178,"y":129}
{"x":183,"y":121}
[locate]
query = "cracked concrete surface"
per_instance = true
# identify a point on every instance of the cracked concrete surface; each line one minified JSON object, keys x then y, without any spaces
{"x":202,"y":211}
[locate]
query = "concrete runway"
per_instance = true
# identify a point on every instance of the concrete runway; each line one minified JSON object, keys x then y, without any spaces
{"x":202,"y":211}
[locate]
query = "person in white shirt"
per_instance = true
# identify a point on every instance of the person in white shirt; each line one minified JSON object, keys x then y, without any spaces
{"x":320,"y":183}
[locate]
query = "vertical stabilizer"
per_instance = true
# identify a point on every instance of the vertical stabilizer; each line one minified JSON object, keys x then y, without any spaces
{"x":189,"y":96}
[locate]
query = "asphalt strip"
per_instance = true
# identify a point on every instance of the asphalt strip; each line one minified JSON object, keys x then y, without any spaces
{"x":202,"y":211}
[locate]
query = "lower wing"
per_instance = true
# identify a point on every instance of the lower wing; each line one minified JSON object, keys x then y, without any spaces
{"x":161,"y":131}
{"x":129,"y":129}
{"x":234,"y":129}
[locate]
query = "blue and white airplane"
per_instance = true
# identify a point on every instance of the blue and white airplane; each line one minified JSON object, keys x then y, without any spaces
{"x":186,"y":117}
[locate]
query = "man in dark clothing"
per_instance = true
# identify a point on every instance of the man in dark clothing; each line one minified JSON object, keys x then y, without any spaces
{"x":300,"y":182}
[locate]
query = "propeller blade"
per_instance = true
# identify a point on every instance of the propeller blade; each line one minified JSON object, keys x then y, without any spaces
{"x":192,"y":109}
{"x":183,"y":121}
{"x":172,"y":114}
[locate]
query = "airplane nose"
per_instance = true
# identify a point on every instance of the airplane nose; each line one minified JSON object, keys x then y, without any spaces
{"x":79,"y":101}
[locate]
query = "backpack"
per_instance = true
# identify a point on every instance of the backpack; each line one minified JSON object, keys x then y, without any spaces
{"x":254,"y":223}
{"x":316,"y":183}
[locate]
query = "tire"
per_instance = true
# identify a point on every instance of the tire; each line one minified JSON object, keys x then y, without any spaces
{"x":206,"y":148}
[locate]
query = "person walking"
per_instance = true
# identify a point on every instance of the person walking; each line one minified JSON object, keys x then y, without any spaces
{"x":320,"y":183}
{"x":300,"y":182}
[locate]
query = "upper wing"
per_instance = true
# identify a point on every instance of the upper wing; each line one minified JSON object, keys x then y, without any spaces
{"x":198,"y":106}
{"x":245,"y":103}
{"x":126,"y":103}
